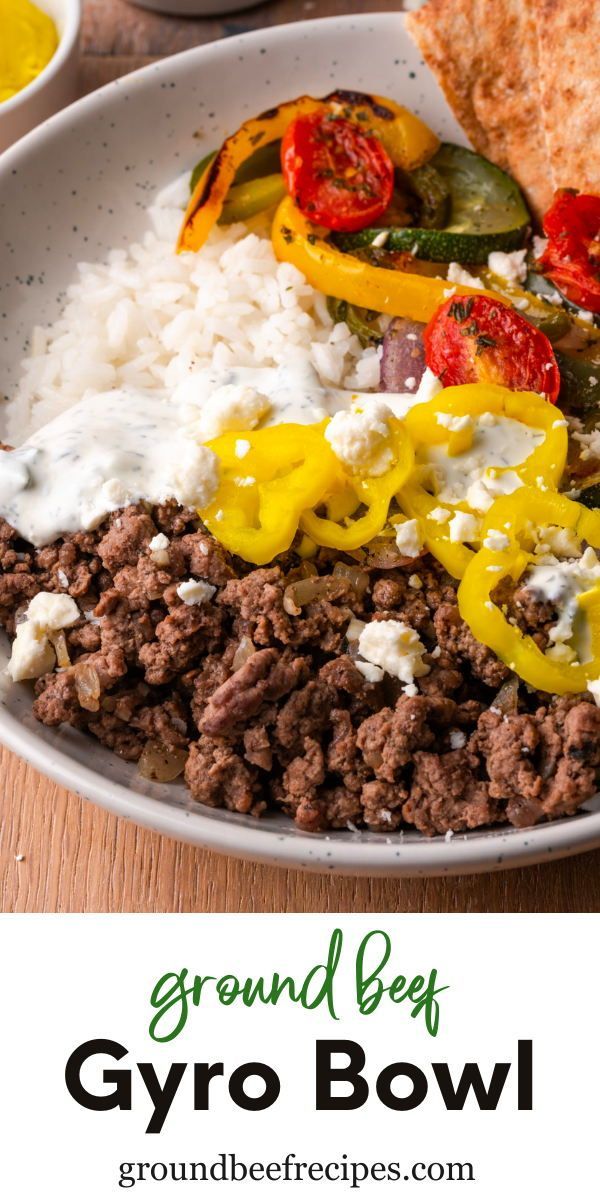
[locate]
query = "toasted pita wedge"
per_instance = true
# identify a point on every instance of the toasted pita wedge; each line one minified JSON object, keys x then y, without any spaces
{"x":483,"y":54}
{"x":569,"y":68}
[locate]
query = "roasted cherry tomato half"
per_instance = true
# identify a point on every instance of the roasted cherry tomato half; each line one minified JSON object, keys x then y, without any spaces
{"x":474,"y":339}
{"x":572,"y":257}
{"x":338,"y":176}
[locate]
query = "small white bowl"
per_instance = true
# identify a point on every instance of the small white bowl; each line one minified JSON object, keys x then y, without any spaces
{"x":55,"y":86}
{"x":195,"y":8}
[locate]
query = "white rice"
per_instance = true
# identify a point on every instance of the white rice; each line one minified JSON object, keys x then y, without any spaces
{"x":147,"y":316}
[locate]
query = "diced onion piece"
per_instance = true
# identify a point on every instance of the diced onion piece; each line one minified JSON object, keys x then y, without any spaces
{"x":59,"y":642}
{"x":160,"y":764}
{"x":244,"y":651}
{"x":359,"y":579}
{"x":87,"y":686}
{"x":507,"y":699}
{"x":306,"y":591}
{"x":383,"y":554}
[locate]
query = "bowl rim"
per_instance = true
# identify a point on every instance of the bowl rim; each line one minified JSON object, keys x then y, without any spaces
{"x":66,"y":44}
{"x":338,"y":851}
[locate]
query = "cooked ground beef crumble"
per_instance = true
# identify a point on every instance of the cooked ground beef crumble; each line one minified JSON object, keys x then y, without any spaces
{"x":259,"y":688}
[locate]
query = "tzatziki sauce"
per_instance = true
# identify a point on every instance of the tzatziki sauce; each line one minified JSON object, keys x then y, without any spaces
{"x":120,"y":447}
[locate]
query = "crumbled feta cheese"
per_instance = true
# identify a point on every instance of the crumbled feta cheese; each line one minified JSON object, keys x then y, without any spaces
{"x":32,"y":654}
{"x":463,"y":527}
{"x":590,"y":443}
{"x":231,"y":406}
{"x":380,"y":239}
{"x":358,"y":438}
{"x":158,"y":547}
{"x":195,"y":591}
{"x":454,"y":424}
{"x":495,"y":540}
{"x":195,"y":475}
{"x":371,"y":673}
{"x":395,"y":647}
{"x":62,"y":578}
{"x":457,"y":274}
{"x":115,"y":494}
{"x":242,"y":447}
{"x":561,"y":583}
{"x":539,"y":245}
{"x":408,"y":538}
{"x":441,"y":515}
{"x":564,"y":543}
{"x":594,"y":687}
{"x":482,"y":493}
{"x":410,"y":383}
{"x":488,"y":420}
{"x":511,"y":267}
{"x":458,"y":739}
{"x":51,"y":611}
{"x":354,"y":629}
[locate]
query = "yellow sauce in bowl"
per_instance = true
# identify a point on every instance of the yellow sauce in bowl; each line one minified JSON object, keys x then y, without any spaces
{"x":28,"y":40}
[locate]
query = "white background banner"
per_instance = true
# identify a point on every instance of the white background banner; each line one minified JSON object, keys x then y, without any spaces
{"x":70,"y":980}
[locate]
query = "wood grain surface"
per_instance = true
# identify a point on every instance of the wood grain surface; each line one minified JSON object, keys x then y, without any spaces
{"x":61,"y":854}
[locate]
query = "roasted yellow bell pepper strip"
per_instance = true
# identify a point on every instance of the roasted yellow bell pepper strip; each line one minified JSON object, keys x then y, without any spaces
{"x":408,"y":141}
{"x":514,"y":515}
{"x":257,"y":507}
{"x":374,"y":492}
{"x":209,"y":195}
{"x":398,"y":293}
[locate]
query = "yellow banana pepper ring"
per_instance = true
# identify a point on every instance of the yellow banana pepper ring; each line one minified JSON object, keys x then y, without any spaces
{"x":257,"y":507}
{"x":415,"y":501}
{"x":545,"y":465}
{"x":547,"y":461}
{"x":514,"y":515}
{"x":407,"y":139}
{"x":398,"y":293}
{"x":375,"y":492}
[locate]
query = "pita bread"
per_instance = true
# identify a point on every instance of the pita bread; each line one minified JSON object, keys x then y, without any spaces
{"x":483,"y":54}
{"x":569,"y":71}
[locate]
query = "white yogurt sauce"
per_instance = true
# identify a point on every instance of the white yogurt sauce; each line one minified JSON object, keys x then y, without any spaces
{"x":498,"y":442}
{"x":119,"y":447}
{"x":295,"y":392}
{"x":111,"y":449}
{"x":561,"y":583}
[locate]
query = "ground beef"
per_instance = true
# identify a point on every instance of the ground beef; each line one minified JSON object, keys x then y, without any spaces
{"x":263,"y":695}
{"x":455,"y":637}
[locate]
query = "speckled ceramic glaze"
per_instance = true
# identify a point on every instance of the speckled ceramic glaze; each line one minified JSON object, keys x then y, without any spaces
{"x":76,"y":187}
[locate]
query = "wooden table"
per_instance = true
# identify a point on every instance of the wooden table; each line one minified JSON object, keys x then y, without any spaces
{"x":75,"y":857}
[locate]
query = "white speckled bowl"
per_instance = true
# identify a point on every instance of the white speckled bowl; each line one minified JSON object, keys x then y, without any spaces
{"x":78,"y":186}
{"x":55,"y":86}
